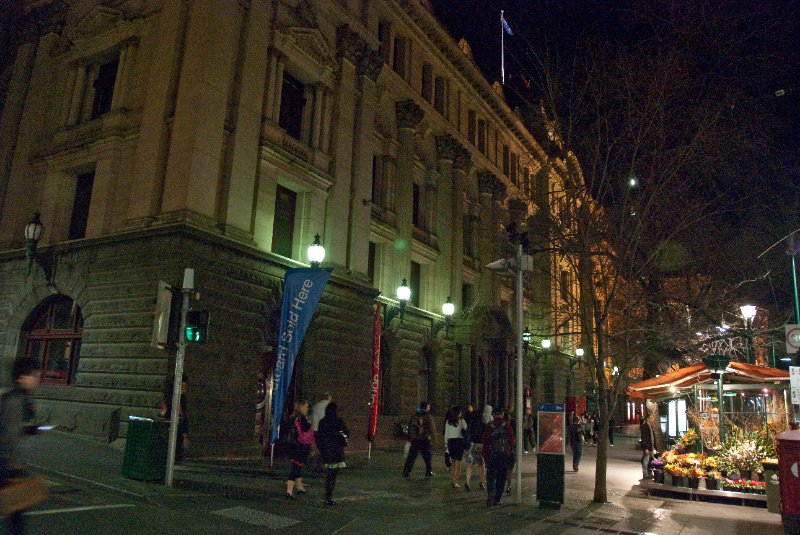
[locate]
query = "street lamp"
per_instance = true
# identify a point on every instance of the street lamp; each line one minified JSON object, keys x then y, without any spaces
{"x":526,"y":339}
{"x":448,"y":309}
{"x":403,"y":293}
{"x":718,"y":364}
{"x":33,"y":232}
{"x":546,"y":343}
{"x":579,"y":352}
{"x":748,"y":313}
{"x":316,"y":252}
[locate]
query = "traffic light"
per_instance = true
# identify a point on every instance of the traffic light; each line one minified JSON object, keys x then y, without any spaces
{"x":197,"y":326}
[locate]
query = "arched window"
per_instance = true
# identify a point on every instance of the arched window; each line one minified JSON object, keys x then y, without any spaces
{"x":52,"y":336}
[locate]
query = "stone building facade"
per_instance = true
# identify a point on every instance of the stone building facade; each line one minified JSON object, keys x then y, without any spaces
{"x":224,"y":135}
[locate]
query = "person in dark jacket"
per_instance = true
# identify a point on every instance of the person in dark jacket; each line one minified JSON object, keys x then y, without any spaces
{"x":497,"y":461}
{"x":474,"y":453}
{"x":648,"y":445}
{"x":421,"y":432}
{"x":331,"y":441}
{"x":575,"y":440}
{"x":16,"y":411}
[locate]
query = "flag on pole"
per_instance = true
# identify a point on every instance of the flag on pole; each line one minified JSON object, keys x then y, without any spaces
{"x":372,"y":429}
{"x":302,"y":290}
{"x":506,"y":27}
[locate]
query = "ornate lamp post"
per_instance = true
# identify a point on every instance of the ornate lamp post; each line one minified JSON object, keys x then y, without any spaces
{"x":748,"y":313}
{"x":316,"y":252}
{"x":718,"y":364}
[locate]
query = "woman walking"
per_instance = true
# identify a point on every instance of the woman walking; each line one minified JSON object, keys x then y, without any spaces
{"x":474,"y":453}
{"x":454,"y":429}
{"x":331,"y":441}
{"x":301,"y":438}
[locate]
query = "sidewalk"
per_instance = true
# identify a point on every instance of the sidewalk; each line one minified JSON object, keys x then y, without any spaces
{"x":374,"y":498}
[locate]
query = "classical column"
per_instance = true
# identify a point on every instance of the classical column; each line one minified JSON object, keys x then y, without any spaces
{"x":269,"y":102}
{"x":77,"y":94}
{"x":461,"y":164}
{"x":277,"y":88}
{"x":146,"y":188}
{"x":363,"y":150}
{"x":236,"y":198}
{"x":196,"y":144}
{"x":319,"y":91}
{"x":126,"y":57}
{"x":492,"y":192}
{"x":408,"y":117}
{"x":337,"y":224}
{"x":446,"y":149}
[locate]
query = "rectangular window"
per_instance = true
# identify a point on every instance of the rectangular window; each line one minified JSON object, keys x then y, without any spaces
{"x":293,"y":104}
{"x":80,"y":206}
{"x":427,"y":82}
{"x":384,"y":32}
{"x":466,"y":296}
{"x":104,"y":88}
{"x":471,"y":126}
{"x":514,"y":163}
{"x":506,"y":161}
{"x":415,"y":205}
{"x":526,"y":183}
{"x":440,"y":95}
{"x":371,"y":261}
{"x":414,"y":282}
{"x":399,"y":63}
{"x":482,"y":136}
{"x":466,"y":236}
{"x":375,"y":179}
{"x":283,"y":227}
{"x":564,"y":285}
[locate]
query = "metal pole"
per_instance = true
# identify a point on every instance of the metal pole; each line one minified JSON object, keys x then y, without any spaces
{"x":794,"y":280}
{"x":721,"y":411}
{"x":188,"y":289}
{"x":518,"y":431}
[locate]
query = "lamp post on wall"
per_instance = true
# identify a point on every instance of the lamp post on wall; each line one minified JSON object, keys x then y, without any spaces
{"x":33,"y":232}
{"x":718,"y":364}
{"x":748,"y":313}
{"x":316,"y":252}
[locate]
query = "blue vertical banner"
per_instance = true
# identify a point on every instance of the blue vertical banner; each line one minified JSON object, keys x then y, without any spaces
{"x":302,"y":290}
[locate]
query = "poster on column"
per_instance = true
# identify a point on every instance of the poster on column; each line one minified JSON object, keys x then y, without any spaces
{"x":794,"y":383}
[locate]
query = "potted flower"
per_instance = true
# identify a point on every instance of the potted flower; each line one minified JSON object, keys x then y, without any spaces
{"x":757,"y":487}
{"x":678,"y":474}
{"x":658,"y":470}
{"x":695,"y":473}
{"x":713,"y":478}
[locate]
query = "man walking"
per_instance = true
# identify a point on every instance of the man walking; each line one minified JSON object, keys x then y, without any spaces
{"x":498,"y":455}
{"x":575,"y":439}
{"x":648,"y":441}
{"x":421,"y":432}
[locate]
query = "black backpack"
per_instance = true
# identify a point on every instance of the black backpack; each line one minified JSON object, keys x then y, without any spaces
{"x":499,"y":446}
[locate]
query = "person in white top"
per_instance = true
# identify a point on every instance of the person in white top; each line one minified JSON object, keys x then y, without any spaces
{"x":454,"y":429}
{"x":487,"y":414}
{"x":318,"y":411}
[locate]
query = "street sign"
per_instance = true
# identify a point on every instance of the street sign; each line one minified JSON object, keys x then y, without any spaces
{"x":794,"y":383}
{"x":792,"y":338}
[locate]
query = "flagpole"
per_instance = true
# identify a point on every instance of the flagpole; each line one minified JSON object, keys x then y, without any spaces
{"x":502,"y":51}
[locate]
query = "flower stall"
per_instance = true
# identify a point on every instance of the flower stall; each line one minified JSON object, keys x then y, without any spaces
{"x":700,"y":459}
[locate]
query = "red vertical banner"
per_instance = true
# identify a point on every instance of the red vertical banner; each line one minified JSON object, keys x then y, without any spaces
{"x":376,"y":370}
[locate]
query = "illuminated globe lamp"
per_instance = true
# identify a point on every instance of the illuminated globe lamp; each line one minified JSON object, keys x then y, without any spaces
{"x":526,"y":338}
{"x":403,"y":295}
{"x":448,"y":309}
{"x":33,"y":231}
{"x":546,"y":343}
{"x":579,"y":352}
{"x":316,"y":252}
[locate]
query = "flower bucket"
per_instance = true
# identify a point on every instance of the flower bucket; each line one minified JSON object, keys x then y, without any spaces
{"x":677,"y":481}
{"x":694,"y":482}
{"x":658,"y":476}
{"x":712,"y":483}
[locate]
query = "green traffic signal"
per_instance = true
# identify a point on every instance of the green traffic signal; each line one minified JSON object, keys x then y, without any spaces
{"x":197,"y":326}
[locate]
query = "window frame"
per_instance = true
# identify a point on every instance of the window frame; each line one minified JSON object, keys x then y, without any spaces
{"x":72,"y":335}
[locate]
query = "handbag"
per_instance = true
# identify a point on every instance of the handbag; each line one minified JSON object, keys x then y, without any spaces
{"x":22,"y":493}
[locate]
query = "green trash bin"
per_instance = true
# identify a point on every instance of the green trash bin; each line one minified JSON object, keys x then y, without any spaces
{"x":773,"y":488}
{"x":145,"y":456}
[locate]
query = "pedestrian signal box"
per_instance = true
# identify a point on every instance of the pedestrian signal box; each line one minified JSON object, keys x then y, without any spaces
{"x":197,"y":326}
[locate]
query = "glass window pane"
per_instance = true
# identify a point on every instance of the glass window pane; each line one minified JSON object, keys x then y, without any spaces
{"x":57,"y":358}
{"x":35,"y":350}
{"x":62,"y":317}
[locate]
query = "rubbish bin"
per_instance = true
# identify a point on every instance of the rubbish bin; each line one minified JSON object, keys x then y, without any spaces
{"x":789,"y":474}
{"x":145,"y":455}
{"x":773,"y":488}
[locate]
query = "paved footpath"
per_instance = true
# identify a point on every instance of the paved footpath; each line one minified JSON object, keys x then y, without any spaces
{"x":373,"y":498}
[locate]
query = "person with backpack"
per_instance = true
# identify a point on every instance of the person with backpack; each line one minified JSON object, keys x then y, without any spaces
{"x":474,"y":451}
{"x":421,"y":431}
{"x":498,"y":454}
{"x":331,"y":441}
{"x":300,"y":439}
